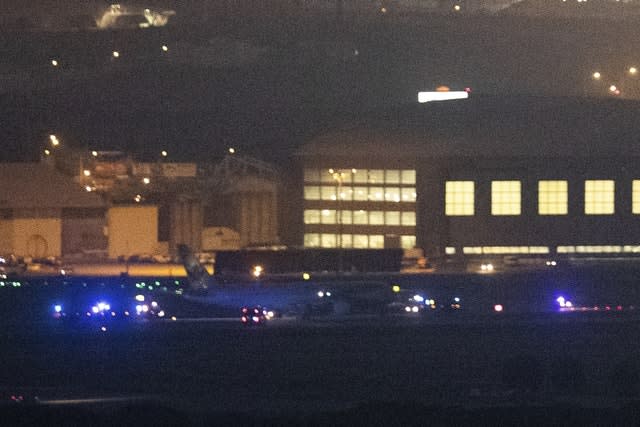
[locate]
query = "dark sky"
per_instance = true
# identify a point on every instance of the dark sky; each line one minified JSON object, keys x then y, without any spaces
{"x":268,"y":85}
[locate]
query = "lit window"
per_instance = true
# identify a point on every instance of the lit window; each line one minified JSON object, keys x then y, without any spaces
{"x":408,"y":218}
{"x":376,"y":176}
{"x":408,"y":242}
{"x":328,"y":193}
{"x":328,"y":240}
{"x":599,"y":196}
{"x":376,"y":194}
{"x":392,"y":177}
{"x":311,"y":240}
{"x":326,"y":176}
{"x":566,"y":249}
{"x":449,"y":250}
{"x":552,"y":198}
{"x":496,"y":250}
{"x":328,"y":216}
{"x":408,"y":176}
{"x":598,"y":249}
{"x":408,"y":194}
{"x":347,"y":241}
{"x":346,"y":193}
{"x":311,"y":175}
{"x":312,"y":216}
{"x":360,"y":194}
{"x":376,"y":242}
{"x":459,"y":198}
{"x":311,"y":193}
{"x":376,"y":218}
{"x":360,"y":217}
{"x":472,"y":250}
{"x":392,"y":194}
{"x":392,"y":218}
{"x":360,"y":241}
{"x":360,"y":176}
{"x":347,"y":217}
{"x":635,"y":197}
{"x":505,"y":197}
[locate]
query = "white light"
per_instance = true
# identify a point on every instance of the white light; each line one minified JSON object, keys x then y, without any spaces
{"x":154,"y":304}
{"x":596,"y":75}
{"x":54,"y":62}
{"x":164,"y":153}
{"x":456,"y":299}
{"x":418,"y":298}
{"x":232,"y":150}
{"x":57,"y":308}
{"x":161,"y":313}
{"x":138,"y":308}
{"x":442,"y":96}
{"x":498,"y":308}
{"x":88,"y":188}
{"x":320,"y":294}
{"x":103,"y":329}
{"x":456,"y":8}
{"x":407,"y":309}
{"x":47,"y":152}
{"x":415,"y":308}
{"x":328,"y":294}
{"x":146,"y":180}
{"x":102,"y":306}
{"x":165,"y":48}
{"x":86,"y":172}
{"x":107,"y":307}
{"x":270,"y":314}
{"x":256,"y":319}
{"x":95,"y":309}
{"x":145,"y":308}
{"x":613,"y":88}
{"x":94,"y":153}
{"x":633,"y":70}
{"x":568,"y":304}
{"x":140,"y":298}
{"x":116,"y":54}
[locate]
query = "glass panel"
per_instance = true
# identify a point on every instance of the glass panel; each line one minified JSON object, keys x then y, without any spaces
{"x":505,"y":197}
{"x":376,"y":242}
{"x":392,"y":218}
{"x":312,"y":216}
{"x":552,"y":198}
{"x":328,"y":240}
{"x":360,"y":241}
{"x":408,"y":242}
{"x":392,"y":177}
{"x":599,"y":197}
{"x":459,"y":198}
{"x":360,"y":176}
{"x":360,"y":217}
{"x":328,"y":216}
{"x":328,"y":192}
{"x":326,"y":176}
{"x":450,"y":250}
{"x":409,"y":177}
{"x":311,"y":193}
{"x":376,"y":194}
{"x":347,"y":241}
{"x":360,"y":193}
{"x":635,"y":197}
{"x":408,"y":194}
{"x":408,"y":218}
{"x":392,"y":194}
{"x":311,"y":240}
{"x":376,"y":176}
{"x":347,"y":217}
{"x":346,"y":193}
{"x":376,"y":218}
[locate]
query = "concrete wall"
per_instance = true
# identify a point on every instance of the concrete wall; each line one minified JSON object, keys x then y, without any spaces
{"x":37,"y":237}
{"x":132,"y":230}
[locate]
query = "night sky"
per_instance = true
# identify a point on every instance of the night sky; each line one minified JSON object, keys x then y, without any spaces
{"x":267,"y":85}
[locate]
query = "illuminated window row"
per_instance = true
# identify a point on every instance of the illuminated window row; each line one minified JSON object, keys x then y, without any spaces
{"x":500,"y":250}
{"x":356,"y":193}
{"x":361,"y":176}
{"x":359,"y":217}
{"x":357,"y":241}
{"x":553,"y":197}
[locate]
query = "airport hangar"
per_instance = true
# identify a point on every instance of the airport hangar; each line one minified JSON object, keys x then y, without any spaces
{"x":487,"y":177}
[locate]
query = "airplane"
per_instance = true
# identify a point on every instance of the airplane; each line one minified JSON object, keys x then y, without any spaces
{"x":288,"y":294}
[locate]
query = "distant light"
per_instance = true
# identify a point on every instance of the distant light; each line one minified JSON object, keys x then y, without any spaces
{"x":165,"y":48}
{"x":457,"y":8}
{"x":54,"y":140}
{"x":270,"y":314}
{"x":561,"y":301}
{"x":613,"y":88}
{"x":103,"y":329}
{"x":407,"y":309}
{"x":596,"y":75}
{"x":47,"y":152}
{"x":140,"y":298}
{"x":383,"y":10}
{"x":354,"y":170}
{"x":154,"y":304}
{"x":86,"y":172}
{"x":161,"y":313}
{"x":468,"y":89}
{"x":137,"y":198}
{"x":146,"y":180}
{"x":633,"y":70}
{"x":331,"y":171}
{"x":232,"y":150}
{"x":145,"y":308}
{"x":94,"y":153}
{"x":88,"y":188}
{"x":255,"y":319}
{"x":497,"y":308}
{"x":164,"y":153}
{"x":306,"y":276}
{"x":442,"y":89}
{"x":568,"y":304}
{"x":328,"y":293}
{"x":320,"y":294}
{"x":418,"y":298}
{"x":138,"y":308}
{"x":95,"y":309}
{"x":57,"y":308}
{"x":616,"y":92}
{"x":424,"y":97}
{"x":54,"y":62}
{"x":415,"y":309}
{"x":395,"y":288}
{"x":116,"y":54}
{"x":174,"y":318}
{"x":456,"y":299}
{"x":432,"y":302}
{"x":257,"y":270}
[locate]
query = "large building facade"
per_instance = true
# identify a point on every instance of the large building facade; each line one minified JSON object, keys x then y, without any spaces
{"x":485,"y":177}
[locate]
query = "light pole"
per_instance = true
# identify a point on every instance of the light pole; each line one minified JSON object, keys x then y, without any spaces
{"x":338,"y":177}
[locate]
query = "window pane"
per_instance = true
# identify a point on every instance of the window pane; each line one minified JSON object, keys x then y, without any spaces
{"x":311,"y":240}
{"x":347,"y":241}
{"x":347,"y":217}
{"x":376,"y":218}
{"x":408,"y":218}
{"x":635,"y":197}
{"x":360,"y":217}
{"x":328,"y":216}
{"x":376,"y":242}
{"x":312,"y":216}
{"x":599,"y":197}
{"x":392,"y":218}
{"x":360,"y":193}
{"x":552,"y":198}
{"x":360,"y":176}
{"x":408,"y":177}
{"x":376,"y":176}
{"x":311,"y":175}
{"x":346,"y":193}
{"x":505,"y":198}
{"x":408,"y":242}
{"x":311,"y":193}
{"x":392,"y":177}
{"x":392,"y":194}
{"x":360,"y":241}
{"x":328,"y":240}
{"x":376,"y":194}
{"x":326,"y":176}
{"x":459,"y":198}
{"x":328,"y":192}
{"x":408,"y":194}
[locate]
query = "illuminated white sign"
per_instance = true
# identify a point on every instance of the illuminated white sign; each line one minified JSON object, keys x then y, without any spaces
{"x":441,"y":96}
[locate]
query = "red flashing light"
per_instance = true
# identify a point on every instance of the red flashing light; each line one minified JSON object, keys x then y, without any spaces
{"x":245,"y":310}
{"x":607,"y":308}
{"x":619,"y":308}
{"x":467,"y":89}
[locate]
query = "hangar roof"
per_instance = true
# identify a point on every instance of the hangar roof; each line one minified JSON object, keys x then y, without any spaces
{"x":37,"y":185}
{"x":484,"y":126}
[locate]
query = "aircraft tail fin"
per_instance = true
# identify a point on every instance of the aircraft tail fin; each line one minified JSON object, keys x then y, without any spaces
{"x":198,"y":275}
